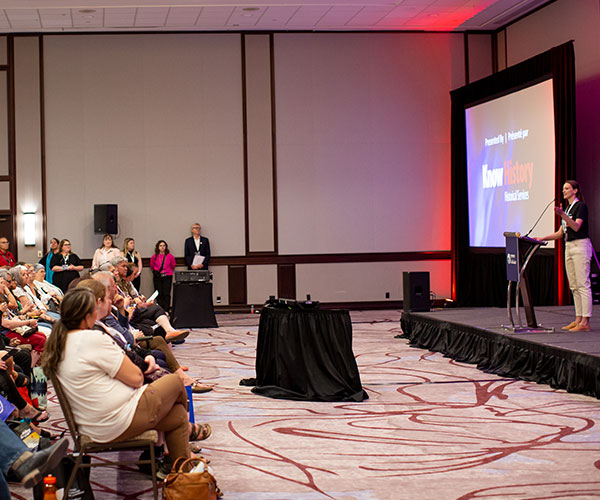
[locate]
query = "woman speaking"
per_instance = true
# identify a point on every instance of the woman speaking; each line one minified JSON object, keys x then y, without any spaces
{"x":578,"y":253}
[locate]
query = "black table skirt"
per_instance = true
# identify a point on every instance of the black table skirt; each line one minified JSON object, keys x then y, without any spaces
{"x":306,"y":355}
{"x":193,"y":306}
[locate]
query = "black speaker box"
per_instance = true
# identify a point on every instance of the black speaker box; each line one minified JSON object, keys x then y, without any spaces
{"x":416,"y":291}
{"x":106,"y":219}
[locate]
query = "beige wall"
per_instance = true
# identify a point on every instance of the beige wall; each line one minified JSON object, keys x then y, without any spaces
{"x":363,"y":141}
{"x":154,"y":123}
{"x":28,"y":141}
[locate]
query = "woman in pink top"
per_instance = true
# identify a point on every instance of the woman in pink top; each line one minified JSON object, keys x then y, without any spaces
{"x":162,"y":264}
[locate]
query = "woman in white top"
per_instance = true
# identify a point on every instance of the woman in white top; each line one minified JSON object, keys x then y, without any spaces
{"x":105,"y":389}
{"x":45,"y":288}
{"x":106,"y":252}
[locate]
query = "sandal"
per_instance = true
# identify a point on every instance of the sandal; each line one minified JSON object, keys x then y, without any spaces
{"x":200,"y":432}
{"x":199,"y":388}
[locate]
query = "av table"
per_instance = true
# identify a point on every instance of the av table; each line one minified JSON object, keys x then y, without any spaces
{"x":307,"y":355}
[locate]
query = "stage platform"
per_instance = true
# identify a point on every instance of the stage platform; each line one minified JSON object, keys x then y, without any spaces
{"x":562,"y":359}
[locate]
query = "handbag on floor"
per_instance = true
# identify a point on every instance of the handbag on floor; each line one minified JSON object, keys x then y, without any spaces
{"x":183,"y":484}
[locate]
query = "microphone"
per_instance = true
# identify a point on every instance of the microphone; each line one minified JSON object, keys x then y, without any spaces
{"x":541,"y":215}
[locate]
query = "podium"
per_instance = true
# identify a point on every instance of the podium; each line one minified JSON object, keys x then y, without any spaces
{"x":520,"y":249}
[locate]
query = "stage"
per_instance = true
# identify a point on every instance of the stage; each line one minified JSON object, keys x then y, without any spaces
{"x":562,"y":359}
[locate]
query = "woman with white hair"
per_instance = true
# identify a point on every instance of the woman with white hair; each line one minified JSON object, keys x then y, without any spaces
{"x":49,"y":293}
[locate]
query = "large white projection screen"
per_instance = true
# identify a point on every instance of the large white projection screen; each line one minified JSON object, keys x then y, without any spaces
{"x":511,"y":165}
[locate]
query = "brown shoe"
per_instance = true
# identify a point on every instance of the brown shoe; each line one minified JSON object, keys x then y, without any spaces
{"x":572,"y":324}
{"x":176,"y":335}
{"x":198,"y":388}
{"x":580,"y":328}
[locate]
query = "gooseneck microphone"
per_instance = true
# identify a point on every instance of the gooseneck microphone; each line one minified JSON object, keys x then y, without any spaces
{"x":541,"y":215}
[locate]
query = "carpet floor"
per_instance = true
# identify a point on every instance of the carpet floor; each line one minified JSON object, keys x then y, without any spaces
{"x":431,"y":429}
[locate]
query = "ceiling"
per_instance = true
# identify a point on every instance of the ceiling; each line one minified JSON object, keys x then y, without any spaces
{"x":19,"y":16}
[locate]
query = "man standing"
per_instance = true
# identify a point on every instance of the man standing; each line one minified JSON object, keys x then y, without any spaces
{"x":7,"y":259}
{"x":197,"y":249}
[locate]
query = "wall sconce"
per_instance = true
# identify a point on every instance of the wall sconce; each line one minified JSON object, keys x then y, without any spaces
{"x":29,"y":229}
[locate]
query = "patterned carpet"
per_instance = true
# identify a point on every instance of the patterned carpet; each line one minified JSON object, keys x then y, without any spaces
{"x":432,"y":429}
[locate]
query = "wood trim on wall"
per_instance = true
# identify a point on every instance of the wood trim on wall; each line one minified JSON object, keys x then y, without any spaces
{"x":286,"y":281}
{"x":266,"y":259}
{"x":274,"y":144}
{"x":238,"y":289}
{"x":43,"y":146}
{"x":245,"y":146}
{"x":12,"y":165}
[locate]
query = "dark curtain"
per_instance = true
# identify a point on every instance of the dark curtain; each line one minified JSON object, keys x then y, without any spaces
{"x":471,"y":270}
{"x":505,"y":355}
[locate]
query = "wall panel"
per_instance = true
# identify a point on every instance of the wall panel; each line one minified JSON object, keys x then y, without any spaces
{"x":363,"y":141}
{"x":366,"y":282}
{"x":28,"y":152}
{"x":152,"y":123}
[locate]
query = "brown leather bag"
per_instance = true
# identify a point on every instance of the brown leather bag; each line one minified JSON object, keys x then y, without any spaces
{"x":181,"y":484}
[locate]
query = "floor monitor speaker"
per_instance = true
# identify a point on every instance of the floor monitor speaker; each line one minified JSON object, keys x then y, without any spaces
{"x":416,"y":291}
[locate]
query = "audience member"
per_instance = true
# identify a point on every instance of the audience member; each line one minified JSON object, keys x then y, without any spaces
{"x":105,"y":389}
{"x":133,"y":256}
{"x":7,"y":259}
{"x":49,"y":293}
{"x":145,"y":316}
{"x":18,"y":461}
{"x":197,"y":248}
{"x":45,"y":260}
{"x":66,"y":266}
{"x":106,"y":252}
{"x":117,"y":319}
{"x":163,"y":264}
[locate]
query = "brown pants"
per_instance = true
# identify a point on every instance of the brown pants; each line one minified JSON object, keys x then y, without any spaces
{"x":159,"y":344}
{"x":163,"y":406}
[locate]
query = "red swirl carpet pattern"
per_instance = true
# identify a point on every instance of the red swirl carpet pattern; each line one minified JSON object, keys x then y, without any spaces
{"x":432,"y":428}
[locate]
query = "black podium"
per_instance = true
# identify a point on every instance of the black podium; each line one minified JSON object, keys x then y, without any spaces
{"x":306,"y":355}
{"x":193,"y":305}
{"x":519,"y":251}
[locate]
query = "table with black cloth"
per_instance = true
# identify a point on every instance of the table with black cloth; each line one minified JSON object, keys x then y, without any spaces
{"x":306,"y":355}
{"x":193,"y":305}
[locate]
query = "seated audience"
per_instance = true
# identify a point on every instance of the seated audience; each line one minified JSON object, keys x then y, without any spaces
{"x":5,"y":289}
{"x":45,"y":260}
{"x":105,"y":253}
{"x":117,"y":319}
{"x":21,"y":329}
{"x":50,"y":294}
{"x":29,"y":304}
{"x":145,"y":316}
{"x":10,"y":379}
{"x":105,"y":389}
{"x":65,"y":265}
